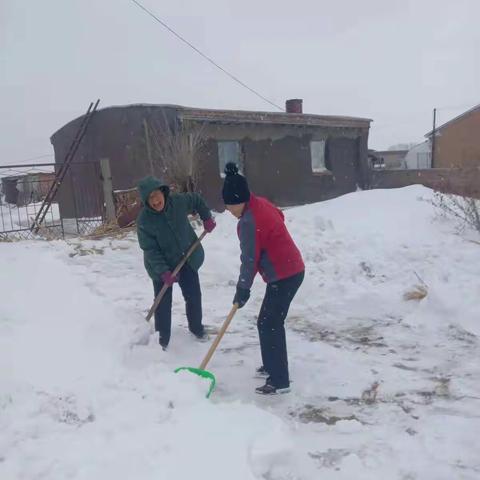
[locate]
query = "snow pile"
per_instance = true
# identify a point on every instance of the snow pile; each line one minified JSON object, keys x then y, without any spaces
{"x":77,"y":402}
{"x":391,"y":239}
{"x":382,"y":387}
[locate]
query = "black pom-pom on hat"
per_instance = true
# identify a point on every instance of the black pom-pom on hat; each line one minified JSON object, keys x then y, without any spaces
{"x":231,"y":168}
{"x":235,"y":186}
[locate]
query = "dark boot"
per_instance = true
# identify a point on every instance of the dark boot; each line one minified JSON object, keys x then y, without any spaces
{"x":269,"y":389}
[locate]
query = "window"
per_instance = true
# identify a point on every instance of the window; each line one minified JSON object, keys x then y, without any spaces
{"x":317,"y":153}
{"x":229,"y":151}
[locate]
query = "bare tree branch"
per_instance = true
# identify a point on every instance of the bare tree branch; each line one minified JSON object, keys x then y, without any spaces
{"x":174,"y":149}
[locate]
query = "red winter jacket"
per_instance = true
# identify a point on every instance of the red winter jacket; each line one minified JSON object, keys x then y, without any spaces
{"x":266,"y":246}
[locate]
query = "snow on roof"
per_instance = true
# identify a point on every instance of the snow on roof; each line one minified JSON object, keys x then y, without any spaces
{"x":248,"y":116}
{"x":242,"y":116}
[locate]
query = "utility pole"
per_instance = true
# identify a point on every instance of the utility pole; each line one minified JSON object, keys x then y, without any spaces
{"x":433,"y":136}
{"x":110,"y":212}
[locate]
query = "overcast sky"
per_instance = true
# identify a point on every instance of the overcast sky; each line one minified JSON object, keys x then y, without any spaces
{"x":388,"y":60}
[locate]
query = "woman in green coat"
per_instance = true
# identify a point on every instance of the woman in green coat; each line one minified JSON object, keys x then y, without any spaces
{"x":165,"y":234}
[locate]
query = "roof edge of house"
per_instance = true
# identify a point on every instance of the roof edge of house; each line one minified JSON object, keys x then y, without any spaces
{"x":240,"y":116}
{"x":453,"y":120}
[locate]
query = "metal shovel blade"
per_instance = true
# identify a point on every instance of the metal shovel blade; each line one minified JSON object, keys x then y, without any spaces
{"x":201,"y":373}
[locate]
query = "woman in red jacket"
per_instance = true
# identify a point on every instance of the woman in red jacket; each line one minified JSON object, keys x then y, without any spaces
{"x":266,"y":247}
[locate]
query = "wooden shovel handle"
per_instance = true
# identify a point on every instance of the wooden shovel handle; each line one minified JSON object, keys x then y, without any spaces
{"x":219,"y":336}
{"x":165,"y":287}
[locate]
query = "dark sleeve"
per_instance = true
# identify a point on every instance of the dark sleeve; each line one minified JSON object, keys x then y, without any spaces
{"x":196,"y":204}
{"x":250,"y":250}
{"x":152,"y":253}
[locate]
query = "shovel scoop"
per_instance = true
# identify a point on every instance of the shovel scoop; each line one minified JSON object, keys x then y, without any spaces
{"x":200,"y":371}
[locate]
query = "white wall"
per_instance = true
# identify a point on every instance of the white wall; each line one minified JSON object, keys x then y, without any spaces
{"x":419,"y":156}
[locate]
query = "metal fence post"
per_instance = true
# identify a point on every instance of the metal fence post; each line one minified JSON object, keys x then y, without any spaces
{"x":108,"y":189}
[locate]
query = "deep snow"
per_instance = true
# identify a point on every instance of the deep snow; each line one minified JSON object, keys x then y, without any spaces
{"x":81,"y":399}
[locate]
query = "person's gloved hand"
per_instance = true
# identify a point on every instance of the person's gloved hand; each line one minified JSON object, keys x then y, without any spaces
{"x":209,"y":225}
{"x":168,"y":278}
{"x":241,"y":296}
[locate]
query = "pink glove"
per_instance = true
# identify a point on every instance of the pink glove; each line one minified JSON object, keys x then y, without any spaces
{"x":209,"y":225}
{"x":168,"y":278}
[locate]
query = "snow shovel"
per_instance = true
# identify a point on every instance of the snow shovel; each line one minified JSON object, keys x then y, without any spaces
{"x":165,"y":287}
{"x":200,"y":371}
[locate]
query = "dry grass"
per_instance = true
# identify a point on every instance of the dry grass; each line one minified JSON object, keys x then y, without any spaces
{"x":418,"y":292}
{"x":8,"y":239}
{"x":49,"y":233}
{"x":42,"y":234}
{"x":110,"y":230}
{"x":82,"y":251}
{"x":312,"y":414}
{"x":369,"y":396}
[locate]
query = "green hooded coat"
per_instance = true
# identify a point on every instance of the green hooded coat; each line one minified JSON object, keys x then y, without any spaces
{"x":166,"y":236}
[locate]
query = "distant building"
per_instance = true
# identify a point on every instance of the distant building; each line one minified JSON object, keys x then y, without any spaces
{"x":21,"y":190}
{"x":388,"y":159}
{"x":457,"y":142}
{"x":289,"y":157}
{"x":419,"y":157}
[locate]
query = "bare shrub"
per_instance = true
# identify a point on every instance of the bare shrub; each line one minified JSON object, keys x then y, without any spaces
{"x":463,"y":209}
{"x":175,"y":147}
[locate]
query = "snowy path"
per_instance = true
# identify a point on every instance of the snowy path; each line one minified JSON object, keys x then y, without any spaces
{"x":77,"y":400}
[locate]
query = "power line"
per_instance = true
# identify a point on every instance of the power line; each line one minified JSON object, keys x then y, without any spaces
{"x":419,"y":116}
{"x":206,"y":57}
{"x":35,"y":158}
{"x":456,"y":107}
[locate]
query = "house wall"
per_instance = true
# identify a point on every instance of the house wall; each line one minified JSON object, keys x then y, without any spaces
{"x":457,"y":145}
{"x":277,"y":163}
{"x":276,"y":157}
{"x":114,"y":133}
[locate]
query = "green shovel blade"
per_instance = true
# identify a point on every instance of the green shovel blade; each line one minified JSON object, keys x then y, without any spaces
{"x":201,"y":373}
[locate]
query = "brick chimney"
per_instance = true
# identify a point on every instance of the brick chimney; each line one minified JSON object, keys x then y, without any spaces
{"x":294,"y":105}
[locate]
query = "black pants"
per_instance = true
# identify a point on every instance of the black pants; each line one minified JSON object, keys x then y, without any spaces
{"x":271,"y":327}
{"x":190,"y":285}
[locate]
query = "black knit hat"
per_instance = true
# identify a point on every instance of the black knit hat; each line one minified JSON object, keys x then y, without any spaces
{"x":235,"y":187}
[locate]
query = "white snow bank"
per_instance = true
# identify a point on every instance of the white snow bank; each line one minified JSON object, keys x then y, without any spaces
{"x":77,"y":402}
{"x":390,"y":238}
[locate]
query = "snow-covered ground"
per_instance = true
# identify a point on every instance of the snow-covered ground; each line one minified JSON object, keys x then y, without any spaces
{"x":81,"y":399}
